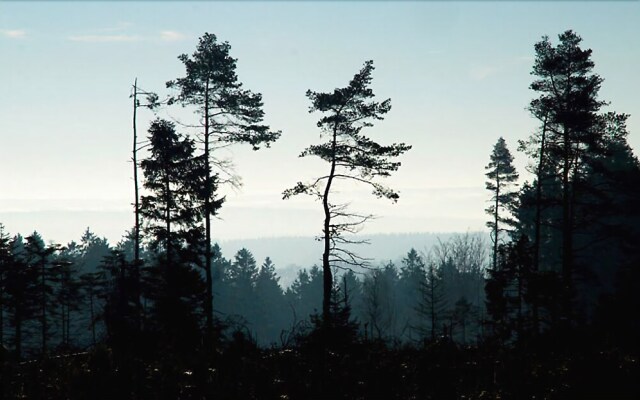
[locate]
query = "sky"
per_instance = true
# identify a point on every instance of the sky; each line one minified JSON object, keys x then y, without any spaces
{"x":457,"y":74}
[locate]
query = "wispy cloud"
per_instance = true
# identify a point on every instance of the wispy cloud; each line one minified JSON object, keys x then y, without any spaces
{"x":171,"y":36}
{"x":480,"y":72}
{"x":104,"y":38}
{"x":120,"y":26}
{"x":13,"y":33}
{"x":116,"y":33}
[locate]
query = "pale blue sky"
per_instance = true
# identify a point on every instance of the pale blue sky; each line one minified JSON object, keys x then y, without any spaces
{"x":457,"y":74}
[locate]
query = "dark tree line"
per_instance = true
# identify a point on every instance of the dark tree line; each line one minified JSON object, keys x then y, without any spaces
{"x":88,"y":293}
{"x":575,"y":227}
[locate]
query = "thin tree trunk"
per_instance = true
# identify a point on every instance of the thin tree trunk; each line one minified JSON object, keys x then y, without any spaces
{"x":495,"y":219}
{"x":567,"y":245}
{"x":537,"y":244}
{"x":93,"y":322}
{"x":326,"y":267}
{"x":18,"y":334}
{"x":1,"y":309}
{"x":433,"y":311}
{"x":63,"y":316}
{"x":136,"y":234}
{"x":520,"y":296}
{"x":167,"y":189}
{"x":43,"y":308}
{"x":208,"y":306}
{"x":68,"y":325}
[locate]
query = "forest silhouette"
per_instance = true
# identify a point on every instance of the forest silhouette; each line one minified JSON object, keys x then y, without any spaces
{"x":545,"y":306}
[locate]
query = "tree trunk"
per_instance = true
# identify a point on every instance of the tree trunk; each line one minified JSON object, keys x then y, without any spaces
{"x":326,"y":267}
{"x":495,"y":219}
{"x":68,"y":325}
{"x":136,"y":235}
{"x":167,"y":189}
{"x":18,"y":334}
{"x":538,"y":218}
{"x":93,"y":322}
{"x":567,"y":231}
{"x":1,"y":309}
{"x":433,"y":303}
{"x":136,"y":232}
{"x":208,"y":306}
{"x":43,"y":308}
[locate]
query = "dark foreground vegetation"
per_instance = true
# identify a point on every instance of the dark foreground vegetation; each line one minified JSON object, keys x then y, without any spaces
{"x":548,"y":309}
{"x":350,"y":369}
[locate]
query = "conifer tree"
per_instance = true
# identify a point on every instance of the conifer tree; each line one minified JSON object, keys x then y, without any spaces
{"x":21,"y":292}
{"x":502,"y":175}
{"x":242,"y":279}
{"x":6,"y":261}
{"x":380,"y":305}
{"x":38,"y":257}
{"x":432,"y":305}
{"x":228,"y":114}
{"x":568,"y":104}
{"x":352,"y":157}
{"x":412,"y":275}
{"x":173,"y":177}
{"x":270,"y":302}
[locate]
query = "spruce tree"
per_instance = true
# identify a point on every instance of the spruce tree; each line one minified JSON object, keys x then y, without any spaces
{"x":432,"y":304}
{"x":173,"y":177}
{"x":412,"y":275}
{"x":502,"y":176}
{"x":270,"y":303}
{"x":38,"y":257}
{"x":6,"y":259}
{"x":21,"y":293}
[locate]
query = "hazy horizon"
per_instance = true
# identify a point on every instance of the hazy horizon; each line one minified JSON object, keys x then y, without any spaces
{"x":105,"y":223}
{"x":456,"y":81}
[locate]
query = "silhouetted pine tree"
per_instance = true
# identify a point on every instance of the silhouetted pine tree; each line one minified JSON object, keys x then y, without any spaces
{"x":568,"y":103}
{"x":271,"y":306}
{"x":432,"y":303}
{"x":21,"y":293}
{"x":91,"y":284}
{"x":39,"y":257}
{"x":68,"y":292}
{"x":502,"y":176}
{"x":229,"y":114}
{"x":380,"y":303}
{"x":241,"y":278}
{"x":412,"y":275}
{"x":352,"y":157}
{"x":172,"y":175}
{"x":120,"y":303}
{"x":6,"y":259}
{"x":305,"y":293}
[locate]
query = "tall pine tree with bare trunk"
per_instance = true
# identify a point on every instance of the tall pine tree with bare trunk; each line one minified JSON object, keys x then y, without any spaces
{"x":228,"y":114}
{"x":151,"y":102}
{"x":568,"y":105}
{"x":352,"y":157}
